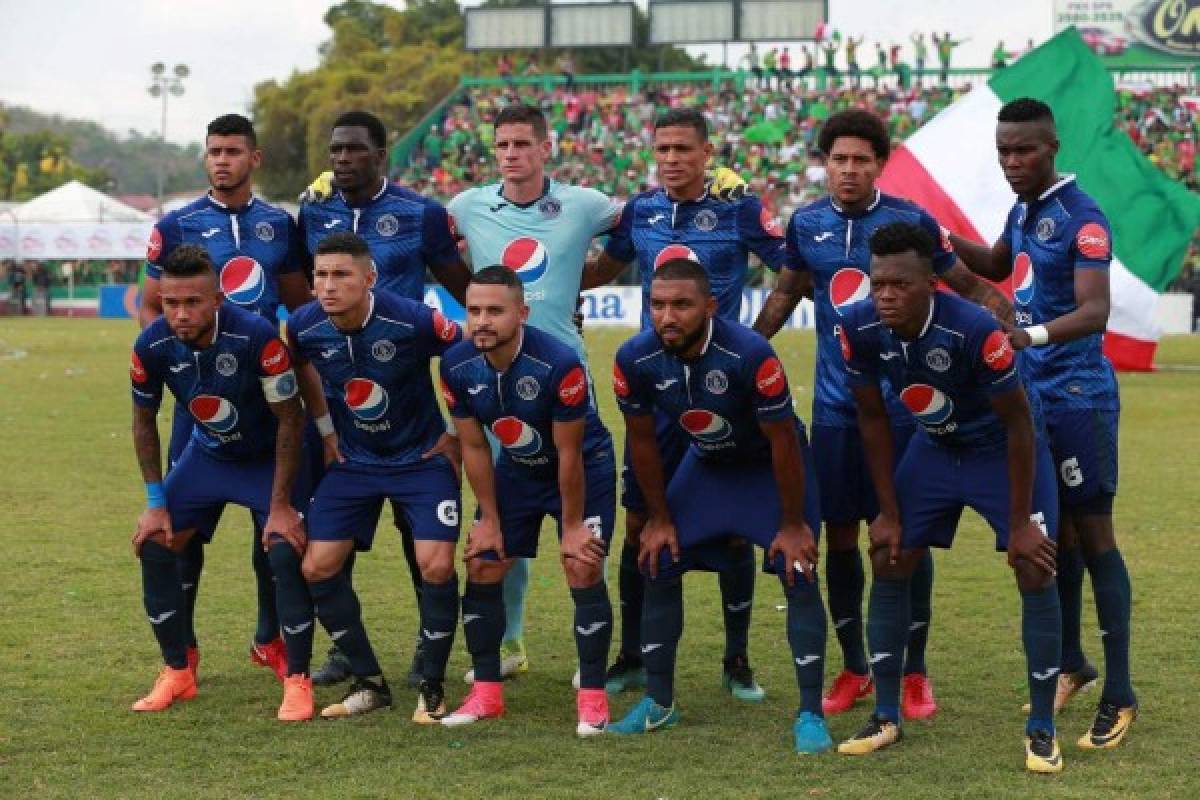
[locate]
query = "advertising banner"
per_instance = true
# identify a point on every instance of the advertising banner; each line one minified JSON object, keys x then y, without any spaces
{"x":1135,"y":33}
{"x":53,"y":241}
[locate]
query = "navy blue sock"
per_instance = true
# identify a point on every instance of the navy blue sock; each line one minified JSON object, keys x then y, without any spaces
{"x":267,"y":628}
{"x":296,"y":613}
{"x":439,"y":618}
{"x":162,"y":595}
{"x":806,"y":631}
{"x":737,"y":598}
{"x":593,"y":633}
{"x":921,"y":604}
{"x":341,"y":616}
{"x":1070,"y":600}
{"x":844,"y":583}
{"x":483,"y":627}
{"x":631,"y":588}
{"x":888,"y":615}
{"x":1110,"y":585}
{"x":191,"y":565}
{"x":1041,"y":633}
{"x":662,"y":627}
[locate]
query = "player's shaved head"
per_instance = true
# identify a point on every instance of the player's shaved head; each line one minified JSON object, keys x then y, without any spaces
{"x":684,"y":269}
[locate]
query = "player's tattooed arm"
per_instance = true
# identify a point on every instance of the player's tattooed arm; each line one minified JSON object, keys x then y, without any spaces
{"x":601,"y":271}
{"x":146,"y":443}
{"x":993,"y":263}
{"x":647,"y":466}
{"x":795,"y":540}
{"x":577,"y":540}
{"x":979,"y":291}
{"x":1092,"y":304}
{"x":485,"y":534}
{"x":454,"y":276}
{"x":1026,"y":542}
{"x":793,"y":284}
{"x":879,"y":449}
{"x":283,"y":520}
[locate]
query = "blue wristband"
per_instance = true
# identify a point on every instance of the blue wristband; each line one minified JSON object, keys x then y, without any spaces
{"x":156,"y":496}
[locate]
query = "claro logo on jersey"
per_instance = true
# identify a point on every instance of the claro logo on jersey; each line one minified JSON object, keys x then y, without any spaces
{"x":215,"y":413}
{"x":1092,"y":241}
{"x":520,"y":439}
{"x":448,"y":395}
{"x":137,"y":372}
{"x":154,"y":245}
{"x":243,"y":280}
{"x":997,"y":352}
{"x":770,"y":223}
{"x":275,"y":359}
{"x":848,"y":286}
{"x":1022,"y":278}
{"x":673,"y":251}
{"x":770,"y":379}
{"x":620,"y":385}
{"x":573,"y":388}
{"x":444,"y":328}
{"x":368,"y":401}
{"x":844,"y":341}
{"x":928,"y":404}
{"x":706,"y":427}
{"x":527,"y":257}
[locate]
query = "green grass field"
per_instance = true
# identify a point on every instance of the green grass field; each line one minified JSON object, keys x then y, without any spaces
{"x":75,"y":649}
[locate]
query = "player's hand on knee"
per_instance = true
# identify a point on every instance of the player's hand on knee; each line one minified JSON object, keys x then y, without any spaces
{"x":727,"y":185}
{"x":447,"y":445}
{"x":658,"y":534}
{"x":798,"y":547}
{"x":484,"y":536}
{"x":579,"y":543}
{"x":332,"y":452}
{"x":885,"y":533}
{"x":1027,"y":542}
{"x":318,"y":190}
{"x":151,"y":522}
{"x":287,"y":524}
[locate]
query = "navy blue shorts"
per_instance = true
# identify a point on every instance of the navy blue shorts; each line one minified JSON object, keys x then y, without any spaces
{"x":1084,"y":446}
{"x":934,"y":484}
{"x":348,"y":501}
{"x":199,"y":487}
{"x":672,"y":444}
{"x":713,"y":501}
{"x":524,"y":502}
{"x":847,"y":493}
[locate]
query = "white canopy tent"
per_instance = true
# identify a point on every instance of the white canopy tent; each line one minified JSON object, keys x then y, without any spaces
{"x":74,"y":221}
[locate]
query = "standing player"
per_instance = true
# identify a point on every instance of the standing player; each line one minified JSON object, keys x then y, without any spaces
{"x":828,"y":259}
{"x":259,"y":261}
{"x":531,"y":392}
{"x":953,"y":367}
{"x":229,"y":368}
{"x":1056,"y":245}
{"x":369,"y":353}
{"x":684,"y":219}
{"x":747,"y":472}
{"x":407,"y":234}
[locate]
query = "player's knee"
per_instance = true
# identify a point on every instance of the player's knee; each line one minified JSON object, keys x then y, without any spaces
{"x":633,"y":529}
{"x":1030,"y":577}
{"x":316,"y":569}
{"x":482,"y":571}
{"x":179,"y":542}
{"x":904,"y":566}
{"x":1095,"y":534}
{"x":842,"y":536}
{"x":580,"y":575}
{"x":437,"y":569}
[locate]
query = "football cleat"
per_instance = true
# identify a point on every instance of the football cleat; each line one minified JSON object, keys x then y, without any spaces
{"x":646,"y":717}
{"x":171,"y":685}
{"x":485,"y":701}
{"x":512,"y":661}
{"x":809,"y":734}
{"x":591,"y":706}
{"x":297,"y":705}
{"x":737,"y":678}
{"x":916,"y":697}
{"x":365,"y":695}
{"x":625,"y":673}
{"x":431,"y":703}
{"x":1069,"y":685}
{"x":846,"y":690}
{"x":1110,"y":726}
{"x":335,"y":669}
{"x":877,"y":734}
{"x":1042,"y":754}
{"x":272,"y":655}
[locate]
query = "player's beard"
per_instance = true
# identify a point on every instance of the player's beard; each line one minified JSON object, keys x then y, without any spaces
{"x":685,"y":342}
{"x":495,"y":341}
{"x":197,"y":336}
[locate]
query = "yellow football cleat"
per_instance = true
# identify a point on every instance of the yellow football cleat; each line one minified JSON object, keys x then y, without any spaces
{"x":1109,"y":729}
{"x":1042,"y":754}
{"x":877,"y":734}
{"x":431,"y":704}
{"x":1069,"y":685}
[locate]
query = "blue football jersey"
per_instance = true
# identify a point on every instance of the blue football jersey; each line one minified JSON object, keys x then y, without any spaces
{"x":250,"y":247}
{"x":946,"y":377}
{"x":720,"y":235}
{"x":226,"y":386}
{"x":718,"y":399}
{"x":406,"y":233}
{"x":1060,"y":232}
{"x":545,"y":383}
{"x":835,"y":247}
{"x":377,"y":379}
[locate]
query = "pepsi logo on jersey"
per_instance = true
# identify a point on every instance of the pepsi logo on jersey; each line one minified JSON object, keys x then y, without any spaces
{"x":848,"y":286}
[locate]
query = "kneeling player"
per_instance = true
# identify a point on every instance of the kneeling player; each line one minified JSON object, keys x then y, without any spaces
{"x":954,"y":368}
{"x":531,"y":392}
{"x":234,"y":375}
{"x":747,"y":472}
{"x":369,"y":352}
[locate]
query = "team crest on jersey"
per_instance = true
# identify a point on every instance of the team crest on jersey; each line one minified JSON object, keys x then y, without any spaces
{"x":1045,"y":229}
{"x":517,"y":436}
{"x":243,"y":280}
{"x":705,"y":220}
{"x":705,"y":426}
{"x":674,"y":251}
{"x":527,"y":257}
{"x":716,"y":382}
{"x":848,"y":286}
{"x":365,"y":398}
{"x":227,"y":364}
{"x":528,"y":387}
{"x":927,"y":403}
{"x":1022,"y":279}
{"x":383,"y":350}
{"x":550,"y":207}
{"x":387,"y":225}
{"x":938,"y":359}
{"x":213,"y":412}
{"x":265,"y":231}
